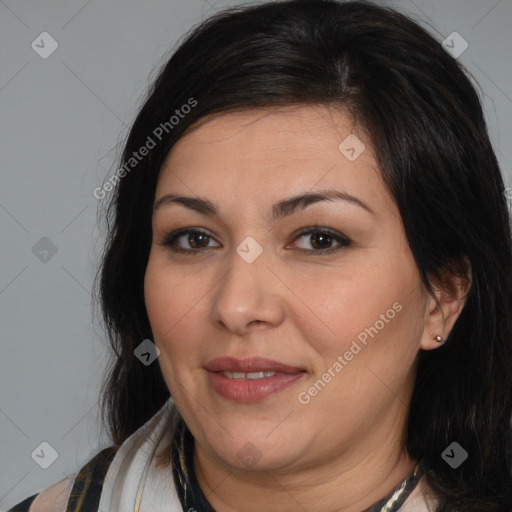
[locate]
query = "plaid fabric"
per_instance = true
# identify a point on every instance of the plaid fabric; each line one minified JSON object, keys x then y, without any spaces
{"x":24,"y":505}
{"x":86,"y":491}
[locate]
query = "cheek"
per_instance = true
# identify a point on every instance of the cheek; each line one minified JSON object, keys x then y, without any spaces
{"x":168,"y":303}
{"x":158,"y":296}
{"x":177,"y":307}
{"x":360,"y":302}
{"x":377,"y":324}
{"x":373,"y":319}
{"x":169,"y":296}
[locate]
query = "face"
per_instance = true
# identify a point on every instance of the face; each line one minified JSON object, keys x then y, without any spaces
{"x":289,"y":331}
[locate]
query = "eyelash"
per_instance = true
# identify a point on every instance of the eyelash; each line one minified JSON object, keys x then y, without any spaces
{"x":170,"y":239}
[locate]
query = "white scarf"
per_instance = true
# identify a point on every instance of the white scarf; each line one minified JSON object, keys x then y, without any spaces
{"x":126,"y":480}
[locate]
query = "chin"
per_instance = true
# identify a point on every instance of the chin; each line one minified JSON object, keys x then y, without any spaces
{"x":256,"y":450}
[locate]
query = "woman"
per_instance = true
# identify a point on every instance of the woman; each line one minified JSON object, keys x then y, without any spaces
{"x":310,"y":253}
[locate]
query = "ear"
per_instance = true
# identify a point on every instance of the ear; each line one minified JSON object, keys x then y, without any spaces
{"x":442,"y":310}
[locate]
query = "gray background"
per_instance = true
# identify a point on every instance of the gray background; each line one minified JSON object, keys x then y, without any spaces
{"x":61,"y":119}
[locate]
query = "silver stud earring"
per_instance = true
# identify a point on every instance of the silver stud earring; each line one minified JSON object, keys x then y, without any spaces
{"x":438,"y":339}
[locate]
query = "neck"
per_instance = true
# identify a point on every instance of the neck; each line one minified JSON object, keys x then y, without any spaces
{"x":341,"y":485}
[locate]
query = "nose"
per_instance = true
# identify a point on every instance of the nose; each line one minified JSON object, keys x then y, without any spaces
{"x":248,"y":296}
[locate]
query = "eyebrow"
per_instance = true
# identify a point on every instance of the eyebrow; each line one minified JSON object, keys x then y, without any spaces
{"x":281,"y":209}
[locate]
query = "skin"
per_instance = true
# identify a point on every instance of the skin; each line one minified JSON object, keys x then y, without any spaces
{"x":344,"y":450}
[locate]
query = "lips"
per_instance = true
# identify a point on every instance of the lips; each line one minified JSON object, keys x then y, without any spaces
{"x":250,"y":379}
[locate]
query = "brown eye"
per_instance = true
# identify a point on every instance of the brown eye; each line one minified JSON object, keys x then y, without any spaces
{"x":194,"y":241}
{"x":321,"y":240}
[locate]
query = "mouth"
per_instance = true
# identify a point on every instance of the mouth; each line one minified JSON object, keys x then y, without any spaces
{"x":250,"y":379}
{"x":250,"y":366}
{"x":250,"y":375}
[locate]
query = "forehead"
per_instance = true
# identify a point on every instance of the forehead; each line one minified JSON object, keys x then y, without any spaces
{"x":270,"y":152}
{"x":292,"y":131}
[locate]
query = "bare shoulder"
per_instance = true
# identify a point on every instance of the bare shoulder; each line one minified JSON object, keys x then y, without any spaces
{"x":54,"y":498}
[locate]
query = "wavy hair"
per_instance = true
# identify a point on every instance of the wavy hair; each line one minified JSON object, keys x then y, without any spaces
{"x":425,"y":121}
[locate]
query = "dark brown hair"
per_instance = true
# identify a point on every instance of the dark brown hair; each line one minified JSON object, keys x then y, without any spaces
{"x":426,"y":125}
